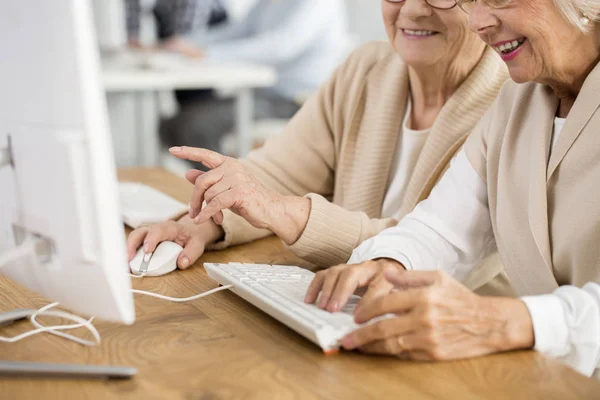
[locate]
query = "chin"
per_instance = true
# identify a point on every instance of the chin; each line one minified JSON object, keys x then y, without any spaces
{"x":417,"y":61}
{"x":418,"y":56}
{"x":518,"y":75}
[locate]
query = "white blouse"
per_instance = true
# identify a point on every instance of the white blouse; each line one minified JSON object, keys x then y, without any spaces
{"x":452,"y":231}
{"x":408,"y":147}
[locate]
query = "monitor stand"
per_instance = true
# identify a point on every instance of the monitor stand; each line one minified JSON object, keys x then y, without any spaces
{"x":51,"y":370}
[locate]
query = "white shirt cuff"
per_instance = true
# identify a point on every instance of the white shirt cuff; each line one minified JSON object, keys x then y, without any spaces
{"x":381,"y":253}
{"x":549,"y":325}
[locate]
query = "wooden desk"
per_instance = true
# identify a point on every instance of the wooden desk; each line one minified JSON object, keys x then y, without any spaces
{"x":221,"y":347}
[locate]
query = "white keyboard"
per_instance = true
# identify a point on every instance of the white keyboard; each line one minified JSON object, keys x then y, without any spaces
{"x":279,"y":291}
{"x":143,"y":205}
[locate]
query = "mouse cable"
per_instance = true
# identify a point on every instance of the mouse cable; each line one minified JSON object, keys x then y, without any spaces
{"x":176,"y":299}
{"x":181,"y":299}
{"x":56,"y":329}
{"x":32,"y":246}
{"x":81,"y":322}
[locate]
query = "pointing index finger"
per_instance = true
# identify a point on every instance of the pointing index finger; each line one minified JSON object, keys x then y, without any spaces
{"x":208,"y":158}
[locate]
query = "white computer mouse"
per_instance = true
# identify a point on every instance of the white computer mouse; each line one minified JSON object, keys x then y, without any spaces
{"x":160,"y":262}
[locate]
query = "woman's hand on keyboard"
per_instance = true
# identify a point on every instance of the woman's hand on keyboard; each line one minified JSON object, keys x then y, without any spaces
{"x":336,"y":284}
{"x":432,"y":316}
{"x":193,"y":238}
{"x":229,"y":185}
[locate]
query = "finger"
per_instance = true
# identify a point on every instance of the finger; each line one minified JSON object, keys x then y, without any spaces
{"x":312,"y":293}
{"x":221,"y":202}
{"x":218,"y":218}
{"x":328,"y":287}
{"x":441,"y":344}
{"x":193,"y":174}
{"x":208,"y":158}
{"x":393,"y":303}
{"x":380,"y":330}
{"x":166,"y":231}
{"x":348,"y":281}
{"x":192,"y":251}
{"x":202,"y":184}
{"x":135,"y":240}
{"x":408,"y":346}
{"x":412,"y":279}
{"x":217,"y":189}
{"x":378,"y":288}
{"x":391,"y":346}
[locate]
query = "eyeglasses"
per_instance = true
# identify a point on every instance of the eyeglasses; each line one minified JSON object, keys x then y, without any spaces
{"x":467,"y":5}
{"x":438,"y":4}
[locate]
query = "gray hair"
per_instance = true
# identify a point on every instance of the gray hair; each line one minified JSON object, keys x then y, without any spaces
{"x":575,"y":10}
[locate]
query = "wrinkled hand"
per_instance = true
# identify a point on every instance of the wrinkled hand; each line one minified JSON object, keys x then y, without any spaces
{"x":336,"y":284}
{"x":189,"y":236}
{"x":228,"y":185}
{"x":437,"y":318}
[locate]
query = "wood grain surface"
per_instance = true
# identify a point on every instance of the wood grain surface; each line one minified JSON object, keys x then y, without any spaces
{"x":221,"y":347}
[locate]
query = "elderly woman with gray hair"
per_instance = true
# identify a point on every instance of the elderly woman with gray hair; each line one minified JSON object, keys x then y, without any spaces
{"x":526,"y":183}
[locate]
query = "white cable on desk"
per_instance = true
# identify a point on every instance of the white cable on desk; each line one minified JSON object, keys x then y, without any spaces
{"x":182,"y":299}
{"x":29,"y":247}
{"x":55,"y":330}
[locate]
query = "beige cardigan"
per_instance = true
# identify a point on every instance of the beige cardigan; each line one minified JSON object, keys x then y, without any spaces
{"x":545,"y":211}
{"x":338,"y":151}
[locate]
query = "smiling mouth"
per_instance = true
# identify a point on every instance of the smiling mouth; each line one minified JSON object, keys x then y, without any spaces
{"x":509,"y":47}
{"x":418,"y":32}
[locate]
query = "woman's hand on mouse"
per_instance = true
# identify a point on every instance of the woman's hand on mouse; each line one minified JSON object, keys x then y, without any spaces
{"x":193,"y":238}
{"x":229,"y":185}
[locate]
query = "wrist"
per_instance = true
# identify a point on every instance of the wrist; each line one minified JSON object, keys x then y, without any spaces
{"x":389,"y":263}
{"x":209,"y":231}
{"x":515,"y":327}
{"x":290,"y":219}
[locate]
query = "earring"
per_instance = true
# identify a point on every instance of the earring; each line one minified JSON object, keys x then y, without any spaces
{"x":584,"y":20}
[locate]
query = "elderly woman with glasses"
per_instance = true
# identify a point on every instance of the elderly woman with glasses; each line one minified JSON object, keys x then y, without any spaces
{"x":359,"y":155}
{"x":527,"y":183}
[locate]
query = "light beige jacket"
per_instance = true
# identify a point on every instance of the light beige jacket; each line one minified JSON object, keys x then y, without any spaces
{"x":545,"y":210}
{"x":338,"y":151}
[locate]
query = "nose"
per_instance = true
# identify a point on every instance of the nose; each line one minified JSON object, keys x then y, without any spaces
{"x":482,"y":20}
{"x":416,"y":8}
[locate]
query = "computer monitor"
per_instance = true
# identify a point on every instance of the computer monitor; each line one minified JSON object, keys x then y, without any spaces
{"x":61,"y":186}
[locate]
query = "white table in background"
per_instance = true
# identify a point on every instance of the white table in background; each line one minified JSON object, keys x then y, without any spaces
{"x":236,"y":79}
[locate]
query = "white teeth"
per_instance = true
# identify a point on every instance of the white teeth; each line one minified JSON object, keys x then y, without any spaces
{"x":508,"y":47}
{"x":418,"y":33}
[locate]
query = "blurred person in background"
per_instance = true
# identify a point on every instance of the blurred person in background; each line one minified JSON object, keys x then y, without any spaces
{"x":175,"y":20}
{"x":304,"y":40}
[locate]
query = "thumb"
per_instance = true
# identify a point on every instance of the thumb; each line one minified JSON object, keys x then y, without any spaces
{"x":192,"y":251}
{"x":410,"y":279}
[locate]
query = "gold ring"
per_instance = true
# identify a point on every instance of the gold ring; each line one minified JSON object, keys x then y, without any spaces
{"x":400,"y":341}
